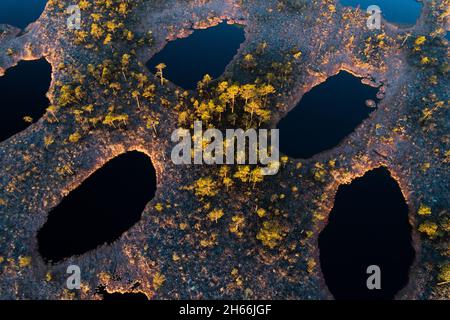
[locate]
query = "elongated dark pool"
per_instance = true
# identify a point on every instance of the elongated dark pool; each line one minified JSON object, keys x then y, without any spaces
{"x":368,"y":226}
{"x":101,"y":209}
{"x":325,"y":116}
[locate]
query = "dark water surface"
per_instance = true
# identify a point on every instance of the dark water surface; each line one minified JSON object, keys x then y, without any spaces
{"x":206,"y":51}
{"x":325,"y":116}
{"x":401,"y":12}
{"x":22,"y":91}
{"x":99,"y":211}
{"x":20,"y":13}
{"x":368,"y":226}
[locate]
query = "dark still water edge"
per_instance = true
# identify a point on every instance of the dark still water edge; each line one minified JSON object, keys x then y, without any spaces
{"x":23,"y":90}
{"x":101,"y":209}
{"x":400,"y":12}
{"x":325,"y":116}
{"x":205,"y":51}
{"x":368,"y":225}
{"x":20,"y":13}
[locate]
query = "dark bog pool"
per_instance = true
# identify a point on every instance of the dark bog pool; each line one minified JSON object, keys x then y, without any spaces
{"x":20,"y":13}
{"x":22,"y":91}
{"x":401,"y":12}
{"x":206,"y":51}
{"x":367,"y":226}
{"x":325,"y":116}
{"x":103,"y":207}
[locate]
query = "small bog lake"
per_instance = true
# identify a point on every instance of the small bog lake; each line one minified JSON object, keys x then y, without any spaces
{"x":206,"y":51}
{"x":325,"y":116}
{"x":400,"y":12}
{"x":23,"y":91}
{"x":20,"y":13}
{"x":101,"y":209}
{"x":367,"y":226}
